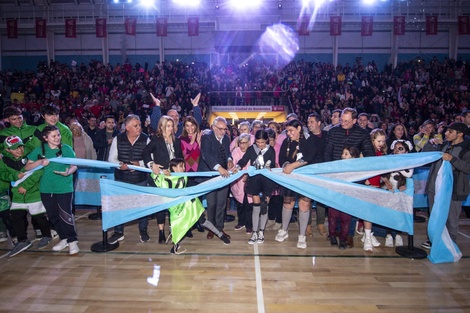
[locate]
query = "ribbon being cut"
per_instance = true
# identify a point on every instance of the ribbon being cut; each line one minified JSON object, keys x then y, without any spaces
{"x":331,"y":183}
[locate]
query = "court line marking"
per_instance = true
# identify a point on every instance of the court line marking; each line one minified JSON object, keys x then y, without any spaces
{"x":259,"y":282}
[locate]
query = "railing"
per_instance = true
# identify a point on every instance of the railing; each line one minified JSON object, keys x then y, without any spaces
{"x":247,"y":98}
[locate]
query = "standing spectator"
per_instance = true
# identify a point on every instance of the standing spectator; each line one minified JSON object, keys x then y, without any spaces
{"x":104,"y":138}
{"x":127,"y":148}
{"x":215,"y":156}
{"x":457,"y":151}
{"x":82,"y":143}
{"x":92,"y":129}
{"x":56,"y":187}
{"x":30,"y":135}
{"x":50,"y":113}
{"x":157,"y":113}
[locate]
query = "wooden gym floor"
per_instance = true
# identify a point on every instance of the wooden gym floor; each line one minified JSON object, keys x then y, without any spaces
{"x":212,"y":277}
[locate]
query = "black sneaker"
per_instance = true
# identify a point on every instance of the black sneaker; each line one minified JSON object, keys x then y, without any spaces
{"x":225,"y":239}
{"x":426,"y":245}
{"x":144,"y":237}
{"x":115,"y":237}
{"x":176,"y":249}
{"x":342,"y":245}
{"x":333,"y":241}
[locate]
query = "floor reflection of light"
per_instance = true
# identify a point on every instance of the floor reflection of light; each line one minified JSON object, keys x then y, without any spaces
{"x":156,"y":276}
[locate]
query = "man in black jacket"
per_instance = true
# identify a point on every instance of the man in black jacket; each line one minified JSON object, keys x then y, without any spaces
{"x":104,"y":138}
{"x":215,"y":156}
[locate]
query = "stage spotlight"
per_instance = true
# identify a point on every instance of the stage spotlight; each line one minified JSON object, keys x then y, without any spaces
{"x":279,"y":5}
{"x":187,"y":3}
{"x":245,"y":5}
{"x":147,"y":3}
{"x":368,"y":2}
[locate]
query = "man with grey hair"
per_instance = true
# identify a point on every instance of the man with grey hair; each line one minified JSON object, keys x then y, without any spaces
{"x":215,"y":156}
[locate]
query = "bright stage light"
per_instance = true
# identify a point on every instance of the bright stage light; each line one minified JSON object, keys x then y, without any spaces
{"x":147,"y":3}
{"x":368,"y":2}
{"x":245,"y":4}
{"x":314,"y":3}
{"x":189,"y":3}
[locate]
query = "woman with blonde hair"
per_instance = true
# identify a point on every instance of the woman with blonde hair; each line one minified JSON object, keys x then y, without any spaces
{"x":163,"y":146}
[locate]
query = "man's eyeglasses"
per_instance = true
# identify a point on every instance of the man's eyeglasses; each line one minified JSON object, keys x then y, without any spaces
{"x":221,"y":128}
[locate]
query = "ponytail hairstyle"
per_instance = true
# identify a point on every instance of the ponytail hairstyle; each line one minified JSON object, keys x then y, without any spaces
{"x":45,"y":132}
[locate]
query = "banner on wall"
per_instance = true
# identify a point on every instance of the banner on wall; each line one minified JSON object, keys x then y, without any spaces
{"x":101,"y":28}
{"x":335,"y":25}
{"x":162,"y":27}
{"x":193,"y":26}
{"x":431,"y":25}
{"x":399,"y":25}
{"x":464,"y":25}
{"x":130,"y":25}
{"x":367,"y":26}
{"x":41,"y":28}
{"x":12,"y":29}
{"x":70,"y":28}
{"x":303,"y":24}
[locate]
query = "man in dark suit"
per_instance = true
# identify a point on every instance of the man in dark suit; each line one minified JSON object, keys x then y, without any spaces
{"x":215,"y":156}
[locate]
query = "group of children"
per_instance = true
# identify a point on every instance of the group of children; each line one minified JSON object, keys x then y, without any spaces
{"x":45,"y":192}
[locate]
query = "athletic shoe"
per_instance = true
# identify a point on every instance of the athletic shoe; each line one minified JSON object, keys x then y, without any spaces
{"x":73,"y":248}
{"x":426,"y":245}
{"x":61,"y":245}
{"x":249,"y":230}
{"x":281,"y":235}
{"x":260,"y":237}
{"x":239,"y":227}
{"x":253,"y":239}
{"x":301,"y":243}
{"x":389,"y":241}
{"x":3,"y":236}
{"x":20,"y":247}
{"x":368,"y":243}
{"x":375,"y":242}
{"x":43,"y":242}
{"x":398,"y":241}
{"x":115,"y":237}
{"x":342,"y":245}
{"x":144,"y":237}
{"x":224,"y":238}
{"x":277,"y":226}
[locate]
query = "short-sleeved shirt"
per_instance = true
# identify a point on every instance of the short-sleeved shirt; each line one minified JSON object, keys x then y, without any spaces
{"x":51,"y":182}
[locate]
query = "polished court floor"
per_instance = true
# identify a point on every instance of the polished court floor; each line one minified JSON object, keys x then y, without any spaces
{"x":213,"y":277}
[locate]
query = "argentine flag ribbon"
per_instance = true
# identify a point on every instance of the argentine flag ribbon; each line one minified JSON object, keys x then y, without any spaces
{"x":332,"y":183}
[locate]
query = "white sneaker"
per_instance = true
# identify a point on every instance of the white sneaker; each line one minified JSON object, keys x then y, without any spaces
{"x":398,"y":241}
{"x":281,"y":235}
{"x":301,"y":243}
{"x":73,"y":248}
{"x":277,"y":226}
{"x":260,"y":237}
{"x":389,"y":241}
{"x":368,"y":243}
{"x":61,"y":245}
{"x":253,"y":239}
{"x":375,"y":242}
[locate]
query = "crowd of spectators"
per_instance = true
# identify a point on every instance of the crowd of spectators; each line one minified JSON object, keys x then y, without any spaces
{"x":411,"y":93}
